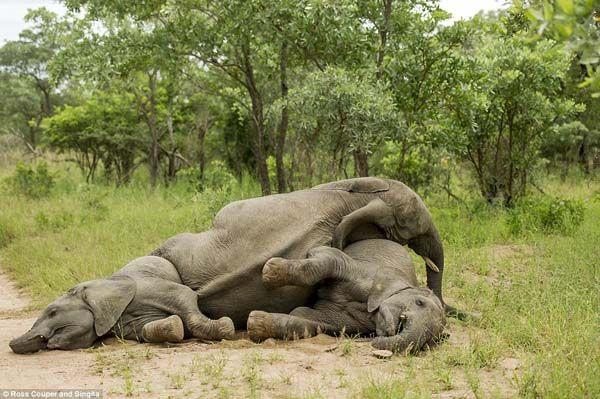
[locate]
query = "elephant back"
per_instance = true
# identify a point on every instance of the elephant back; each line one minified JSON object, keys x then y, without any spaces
{"x":358,"y":185}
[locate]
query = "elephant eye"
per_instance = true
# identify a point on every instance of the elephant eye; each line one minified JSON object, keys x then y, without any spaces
{"x":419,"y":302}
{"x":52,"y":313}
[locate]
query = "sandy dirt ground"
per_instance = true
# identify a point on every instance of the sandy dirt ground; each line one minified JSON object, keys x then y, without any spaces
{"x":322,"y":366}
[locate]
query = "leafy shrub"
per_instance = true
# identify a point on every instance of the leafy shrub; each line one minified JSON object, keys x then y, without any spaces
{"x":92,"y":206}
{"x":33,"y":182}
{"x":216,"y":176}
{"x":7,"y":233}
{"x":546,"y":214}
{"x":56,"y":222}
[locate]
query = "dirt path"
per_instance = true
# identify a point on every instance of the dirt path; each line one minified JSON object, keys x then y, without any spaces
{"x":322,"y":366}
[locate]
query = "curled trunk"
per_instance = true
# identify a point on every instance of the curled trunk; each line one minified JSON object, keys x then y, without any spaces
{"x":30,"y":342}
{"x":411,"y":339}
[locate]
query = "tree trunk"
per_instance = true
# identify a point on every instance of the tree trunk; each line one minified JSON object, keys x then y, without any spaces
{"x":383,"y":34}
{"x":283,"y":124}
{"x":258,"y":122}
{"x":150,"y":117}
{"x":201,"y":155}
{"x":154,"y":149}
{"x":508,"y":196}
{"x":361,"y":163}
{"x":172,"y":167}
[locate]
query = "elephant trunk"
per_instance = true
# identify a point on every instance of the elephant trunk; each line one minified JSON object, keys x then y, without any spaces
{"x":411,"y":339}
{"x":30,"y":342}
{"x":429,"y":246}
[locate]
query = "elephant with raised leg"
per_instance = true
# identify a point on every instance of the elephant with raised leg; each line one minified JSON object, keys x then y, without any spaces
{"x":226,"y":260}
{"x":144,"y":301}
{"x":369,"y":288}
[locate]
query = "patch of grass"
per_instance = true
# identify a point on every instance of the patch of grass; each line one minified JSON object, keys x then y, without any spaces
{"x":7,"y":231}
{"x":287,"y":378}
{"x":346,"y":344}
{"x":252,"y":374}
{"x":391,"y":388}
{"x":444,"y":377}
{"x":342,"y":377}
{"x":210,"y":370}
{"x":547,"y":215}
{"x":177,"y":380}
{"x":123,"y":363}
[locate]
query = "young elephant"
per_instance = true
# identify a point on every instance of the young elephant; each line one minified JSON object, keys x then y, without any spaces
{"x":370,"y":287}
{"x":145,"y":301}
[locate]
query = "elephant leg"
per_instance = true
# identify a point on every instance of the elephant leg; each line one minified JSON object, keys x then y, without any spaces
{"x":341,"y":319}
{"x":322,"y":263}
{"x":177,"y":299}
{"x":201,"y":326}
{"x":263,"y":325}
{"x":376,"y":213}
{"x":304,"y":322}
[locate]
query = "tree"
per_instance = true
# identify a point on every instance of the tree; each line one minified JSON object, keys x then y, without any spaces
{"x":28,"y":93}
{"x":353,"y":113}
{"x":244,"y":57}
{"x":138,"y":55}
{"x":104,"y":130}
{"x":414,"y":55}
{"x":510,"y":97}
{"x":574,"y":22}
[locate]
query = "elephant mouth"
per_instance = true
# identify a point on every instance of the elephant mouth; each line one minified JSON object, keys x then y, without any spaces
{"x":401,"y":323}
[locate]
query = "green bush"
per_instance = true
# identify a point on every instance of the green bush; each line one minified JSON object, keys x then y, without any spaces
{"x":32,"y":182}
{"x":216,"y":176}
{"x":7,"y":233}
{"x":545,"y":214}
{"x":92,"y":205}
{"x":57,"y":222}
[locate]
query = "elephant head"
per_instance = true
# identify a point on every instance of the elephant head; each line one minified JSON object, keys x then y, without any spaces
{"x":406,"y":318}
{"x":75,"y":320}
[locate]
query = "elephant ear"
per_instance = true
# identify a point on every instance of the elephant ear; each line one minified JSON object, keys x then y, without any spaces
{"x":360,"y":185}
{"x":383,"y":288}
{"x":108,"y":299}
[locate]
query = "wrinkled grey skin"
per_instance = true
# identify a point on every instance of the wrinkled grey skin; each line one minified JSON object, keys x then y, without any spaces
{"x":369,"y":288}
{"x":224,"y":264}
{"x":128,"y":303}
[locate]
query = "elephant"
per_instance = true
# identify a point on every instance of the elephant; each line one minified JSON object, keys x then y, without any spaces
{"x":370,"y":287}
{"x":223,"y":265}
{"x":143,"y":301}
{"x":225,"y":262}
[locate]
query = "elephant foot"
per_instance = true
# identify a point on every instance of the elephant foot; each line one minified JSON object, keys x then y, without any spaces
{"x":164,"y":330}
{"x":226,"y":328}
{"x":276,"y":272}
{"x":461,"y":315}
{"x":261,"y":326}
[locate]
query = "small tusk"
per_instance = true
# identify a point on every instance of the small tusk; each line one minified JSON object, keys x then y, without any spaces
{"x":430,"y":264}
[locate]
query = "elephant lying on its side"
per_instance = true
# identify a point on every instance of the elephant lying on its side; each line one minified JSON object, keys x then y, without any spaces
{"x":370,"y":287}
{"x":224,"y":263}
{"x":144,"y":301}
